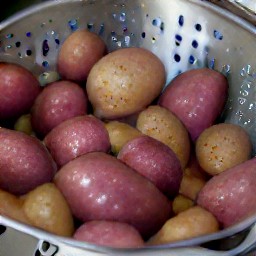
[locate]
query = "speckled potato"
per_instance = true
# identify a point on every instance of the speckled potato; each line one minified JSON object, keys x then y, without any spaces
{"x":222,"y":146}
{"x":109,"y":233}
{"x":46,"y":208}
{"x":124,"y":82}
{"x":197,"y":97}
{"x":79,"y":52}
{"x":161,"y":124}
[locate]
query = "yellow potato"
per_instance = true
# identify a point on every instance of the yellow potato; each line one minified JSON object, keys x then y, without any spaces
{"x":181,"y":204}
{"x":191,"y":223}
{"x":23,"y":124}
{"x":46,"y":208}
{"x":161,"y":124}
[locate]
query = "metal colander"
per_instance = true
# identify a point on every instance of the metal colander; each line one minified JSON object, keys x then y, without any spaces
{"x":185,"y":34}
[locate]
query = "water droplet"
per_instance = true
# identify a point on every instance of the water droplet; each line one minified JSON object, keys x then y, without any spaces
{"x":217,"y":35}
{"x":45,"y":64}
{"x":122,"y":17}
{"x":73,"y":24}
{"x":241,"y":100}
{"x":8,"y":36}
{"x":45,"y":47}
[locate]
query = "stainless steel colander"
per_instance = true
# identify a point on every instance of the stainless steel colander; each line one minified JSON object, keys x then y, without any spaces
{"x":185,"y":34}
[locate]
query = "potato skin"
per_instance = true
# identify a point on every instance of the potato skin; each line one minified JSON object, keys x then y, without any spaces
{"x":18,"y":90}
{"x":230,"y":196}
{"x":124,"y":82}
{"x":58,"y":102}
{"x":222,"y":146}
{"x":155,"y":161}
{"x":98,"y":186}
{"x":76,"y":136}
{"x":25,"y":163}
{"x":109,"y":233}
{"x":197,"y":97}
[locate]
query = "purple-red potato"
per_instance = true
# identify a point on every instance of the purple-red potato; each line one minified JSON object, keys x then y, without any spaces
{"x":230,"y":195}
{"x":18,"y":90}
{"x":222,"y":146}
{"x":109,"y":233}
{"x":79,"y":52}
{"x":124,"y":82}
{"x":25,"y":162}
{"x":98,"y":186}
{"x":197,"y":97}
{"x":76,"y":136}
{"x":154,"y":160}
{"x":58,"y":102}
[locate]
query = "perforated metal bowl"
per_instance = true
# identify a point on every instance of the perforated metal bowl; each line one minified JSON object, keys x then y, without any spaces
{"x":185,"y":34}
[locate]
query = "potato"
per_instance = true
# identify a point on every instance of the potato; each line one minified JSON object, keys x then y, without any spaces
{"x":76,"y":136}
{"x":124,"y":82}
{"x":197,"y":97}
{"x":25,"y":163}
{"x":23,"y":124}
{"x":119,"y":134}
{"x":161,"y":124}
{"x":230,"y":195}
{"x":222,"y":146}
{"x":155,"y":161}
{"x":181,"y":203}
{"x":191,"y":223}
{"x":98,"y":186}
{"x":46,"y":208}
{"x":79,"y":52}
{"x":18,"y":90}
{"x":58,"y":102}
{"x":109,"y":233}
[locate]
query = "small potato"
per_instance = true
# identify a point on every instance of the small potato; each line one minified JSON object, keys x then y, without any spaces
{"x":119,"y":134}
{"x":124,"y":82}
{"x":23,"y":124}
{"x":109,"y":233}
{"x":25,"y":162}
{"x":197,"y":97}
{"x":46,"y":208}
{"x":76,"y":136}
{"x":18,"y":90}
{"x":155,"y":161}
{"x":58,"y":102}
{"x":79,"y":52}
{"x":222,"y":146}
{"x":230,"y":195}
{"x":181,"y":204}
{"x":161,"y":124}
{"x":191,"y":223}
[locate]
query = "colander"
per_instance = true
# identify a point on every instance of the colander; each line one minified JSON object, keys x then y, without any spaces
{"x":184,"y":34}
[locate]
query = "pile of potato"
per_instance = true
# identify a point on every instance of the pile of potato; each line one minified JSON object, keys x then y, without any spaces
{"x":108,"y":156}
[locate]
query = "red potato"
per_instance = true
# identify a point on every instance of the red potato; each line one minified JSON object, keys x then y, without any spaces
{"x":197,"y":97}
{"x":97,"y":186}
{"x":76,"y":136}
{"x":18,"y":90}
{"x":58,"y":102}
{"x":230,"y":196}
{"x":154,"y":160}
{"x":109,"y":233}
{"x":25,"y":163}
{"x":79,"y":52}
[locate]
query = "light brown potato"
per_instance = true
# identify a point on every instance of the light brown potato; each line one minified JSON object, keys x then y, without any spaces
{"x":191,"y":223}
{"x":181,"y":204}
{"x":161,"y":124}
{"x":46,"y":208}
{"x":222,"y":146}
{"x":119,"y":134}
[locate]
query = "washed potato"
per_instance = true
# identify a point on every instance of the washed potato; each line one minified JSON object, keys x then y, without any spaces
{"x":197,"y":97}
{"x":155,"y":161}
{"x":79,"y":52}
{"x":23,"y":124}
{"x":124,"y":82}
{"x":119,"y":134}
{"x":222,"y":146}
{"x":191,"y":223}
{"x":161,"y":124}
{"x":230,"y":195}
{"x":109,"y":233}
{"x":98,"y":186}
{"x":25,"y":162}
{"x":18,"y":90}
{"x":58,"y":102}
{"x":181,"y":203}
{"x":76,"y":136}
{"x":46,"y":208}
